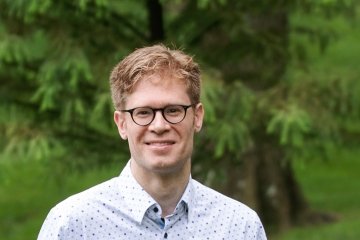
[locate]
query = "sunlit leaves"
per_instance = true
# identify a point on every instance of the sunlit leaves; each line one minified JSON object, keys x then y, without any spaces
{"x":27,"y":10}
{"x":61,"y":78}
{"x":228,"y":111}
{"x":291,"y":124}
{"x":205,"y":3}
{"x":16,"y":49}
{"x":55,"y":57}
{"x":24,"y":140}
{"x":83,"y":4}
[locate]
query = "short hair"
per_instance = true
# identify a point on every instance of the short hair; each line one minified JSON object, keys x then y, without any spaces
{"x":151,"y":60}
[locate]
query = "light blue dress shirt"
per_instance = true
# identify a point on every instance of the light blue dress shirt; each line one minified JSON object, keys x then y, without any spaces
{"x":120,"y":209}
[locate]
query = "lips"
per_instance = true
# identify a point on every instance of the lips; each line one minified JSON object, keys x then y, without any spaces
{"x":160,"y":143}
{"x":160,"y":147}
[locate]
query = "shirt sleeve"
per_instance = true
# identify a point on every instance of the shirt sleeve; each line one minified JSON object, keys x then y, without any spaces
{"x":260,"y":231}
{"x":252,"y":228}
{"x":59,"y":225}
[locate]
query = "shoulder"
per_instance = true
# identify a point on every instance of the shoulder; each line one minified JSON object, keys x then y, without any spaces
{"x":67,"y":217}
{"x":209,"y":196}
{"x":238,"y":218}
{"x":99,"y":193}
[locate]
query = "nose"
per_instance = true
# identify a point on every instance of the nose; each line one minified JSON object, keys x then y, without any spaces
{"x":159,"y":124}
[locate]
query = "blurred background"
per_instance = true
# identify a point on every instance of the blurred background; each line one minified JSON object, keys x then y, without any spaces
{"x":281,"y":91}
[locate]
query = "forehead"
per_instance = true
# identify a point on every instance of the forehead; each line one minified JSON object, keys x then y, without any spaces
{"x":158,"y":90}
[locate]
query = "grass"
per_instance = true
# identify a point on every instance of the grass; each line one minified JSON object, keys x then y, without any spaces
{"x":29,"y":189}
{"x":333,"y":187}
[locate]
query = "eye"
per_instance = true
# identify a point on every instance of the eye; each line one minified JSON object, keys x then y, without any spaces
{"x":173,"y":110}
{"x":143,"y":112}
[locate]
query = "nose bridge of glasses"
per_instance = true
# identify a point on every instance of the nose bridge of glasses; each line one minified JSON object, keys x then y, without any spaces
{"x":158,"y":111}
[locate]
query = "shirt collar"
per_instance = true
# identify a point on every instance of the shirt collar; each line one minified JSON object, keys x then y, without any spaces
{"x":188,"y":195}
{"x":189,"y":198}
{"x":136,"y":199}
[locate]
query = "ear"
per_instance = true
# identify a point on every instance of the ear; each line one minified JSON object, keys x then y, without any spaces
{"x":199,"y":117}
{"x":119,"y":119}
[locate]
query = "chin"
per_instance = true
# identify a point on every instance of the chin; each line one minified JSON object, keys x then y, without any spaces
{"x":166,"y":166}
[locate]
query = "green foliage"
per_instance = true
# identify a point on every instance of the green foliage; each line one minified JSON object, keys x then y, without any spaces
{"x":306,"y":109}
{"x":291,"y":124}
{"x":266,"y":79}
{"x":55,"y":57}
{"x":227,"y":130}
{"x":28,"y":9}
{"x":228,"y":112}
{"x":55,"y":96}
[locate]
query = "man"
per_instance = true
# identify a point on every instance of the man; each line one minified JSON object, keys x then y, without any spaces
{"x":156,"y":94}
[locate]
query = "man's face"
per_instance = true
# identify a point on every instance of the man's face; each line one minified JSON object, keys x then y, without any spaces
{"x":160,"y":147}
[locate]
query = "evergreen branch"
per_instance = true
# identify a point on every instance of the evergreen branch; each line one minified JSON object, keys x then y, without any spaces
{"x":114,"y":17}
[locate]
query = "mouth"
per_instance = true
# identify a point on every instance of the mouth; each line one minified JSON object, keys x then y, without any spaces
{"x":160,"y":143}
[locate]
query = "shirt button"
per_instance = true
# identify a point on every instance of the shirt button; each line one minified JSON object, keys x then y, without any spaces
{"x":165,"y":235}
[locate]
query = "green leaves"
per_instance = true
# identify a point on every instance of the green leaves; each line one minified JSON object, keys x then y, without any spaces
{"x":22,"y":49}
{"x":291,"y":124}
{"x":63,"y":77}
{"x":28,"y":10}
{"x":83,"y":4}
{"x":21,"y":139}
{"x":202,"y":4}
{"x":228,"y":113}
{"x":232,"y":137}
{"x":55,"y":58}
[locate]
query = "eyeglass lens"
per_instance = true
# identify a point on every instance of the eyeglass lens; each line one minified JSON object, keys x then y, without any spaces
{"x":172,"y":114}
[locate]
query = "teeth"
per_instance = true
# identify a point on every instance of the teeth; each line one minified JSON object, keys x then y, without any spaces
{"x":160,"y":143}
{"x":164,"y":143}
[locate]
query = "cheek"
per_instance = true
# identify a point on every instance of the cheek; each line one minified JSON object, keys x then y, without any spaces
{"x":188,"y":137}
{"x":135,"y":147}
{"x":136,"y":137}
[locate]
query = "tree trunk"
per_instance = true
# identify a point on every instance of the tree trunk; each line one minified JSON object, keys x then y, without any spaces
{"x":279,"y":200}
{"x":261,"y":178}
{"x":265,"y":181}
{"x":155,"y":18}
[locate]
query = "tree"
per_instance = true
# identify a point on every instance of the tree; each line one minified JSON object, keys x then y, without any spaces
{"x":54,"y":63}
{"x":261,"y":118}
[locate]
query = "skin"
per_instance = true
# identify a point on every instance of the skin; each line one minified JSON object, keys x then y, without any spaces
{"x":160,"y":152}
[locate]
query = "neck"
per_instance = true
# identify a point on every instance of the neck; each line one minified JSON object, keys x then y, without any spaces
{"x":166,"y":189}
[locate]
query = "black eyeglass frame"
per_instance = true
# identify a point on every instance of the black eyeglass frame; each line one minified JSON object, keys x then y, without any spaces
{"x":154,"y":110}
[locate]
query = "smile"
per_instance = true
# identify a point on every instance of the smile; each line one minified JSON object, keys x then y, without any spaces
{"x":160,"y":143}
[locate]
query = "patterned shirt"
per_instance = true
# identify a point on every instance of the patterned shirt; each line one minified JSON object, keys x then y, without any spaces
{"x":121,"y":209}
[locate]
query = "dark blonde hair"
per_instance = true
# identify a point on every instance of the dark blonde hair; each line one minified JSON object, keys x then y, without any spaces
{"x":156,"y":59}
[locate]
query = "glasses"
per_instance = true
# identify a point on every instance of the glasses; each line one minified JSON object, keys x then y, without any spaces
{"x":143,"y":116}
